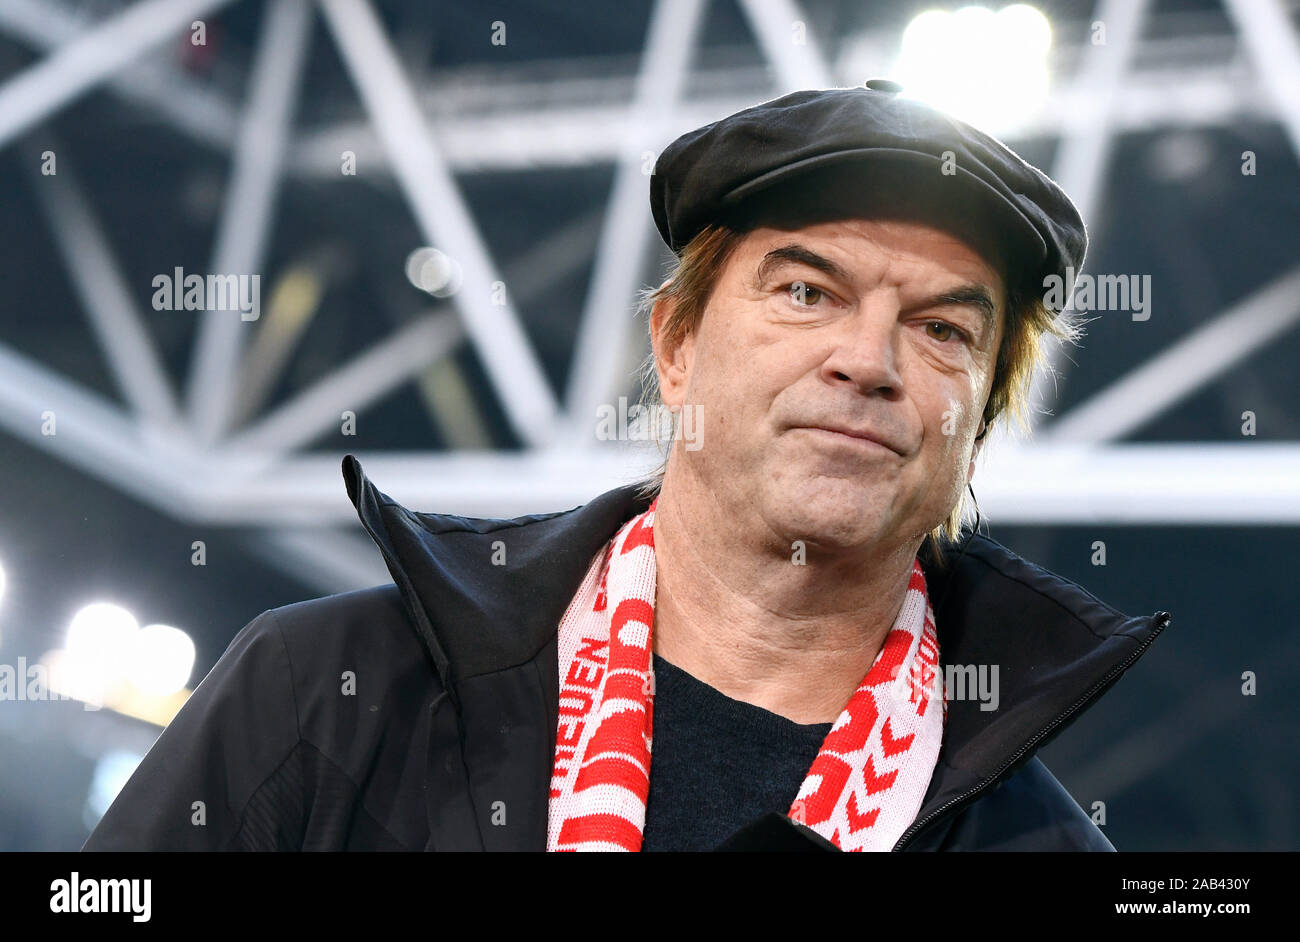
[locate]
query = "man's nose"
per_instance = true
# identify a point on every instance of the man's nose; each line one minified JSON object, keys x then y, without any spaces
{"x":865,"y":351}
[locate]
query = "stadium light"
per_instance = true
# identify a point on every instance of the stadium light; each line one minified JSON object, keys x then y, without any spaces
{"x":109,"y":661}
{"x":103,"y":635}
{"x":985,"y":68}
{"x":162,"y":660}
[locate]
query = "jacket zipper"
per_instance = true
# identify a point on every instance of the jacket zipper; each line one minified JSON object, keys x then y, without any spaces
{"x":1162,"y":620}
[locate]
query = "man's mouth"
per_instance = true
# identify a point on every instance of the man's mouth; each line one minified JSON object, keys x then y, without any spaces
{"x":859,"y":438}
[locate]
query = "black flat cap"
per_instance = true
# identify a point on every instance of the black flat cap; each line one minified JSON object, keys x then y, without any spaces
{"x":835,"y":153}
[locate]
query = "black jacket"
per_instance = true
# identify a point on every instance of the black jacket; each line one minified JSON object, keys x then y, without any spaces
{"x":422,"y":715}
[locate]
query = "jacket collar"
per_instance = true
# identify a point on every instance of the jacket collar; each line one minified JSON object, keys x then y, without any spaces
{"x":487,"y":597}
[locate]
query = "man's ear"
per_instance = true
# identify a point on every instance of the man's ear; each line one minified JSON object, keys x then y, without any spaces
{"x":975,"y":453}
{"x":670,"y":357}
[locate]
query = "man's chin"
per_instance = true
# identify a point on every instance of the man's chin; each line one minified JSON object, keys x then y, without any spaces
{"x":833,"y":518}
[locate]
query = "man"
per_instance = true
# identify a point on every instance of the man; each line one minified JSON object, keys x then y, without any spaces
{"x":760,"y":647}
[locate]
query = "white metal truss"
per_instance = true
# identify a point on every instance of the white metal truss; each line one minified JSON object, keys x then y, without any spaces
{"x":603,"y":339}
{"x":1085,"y":149}
{"x":92,"y":57}
{"x":425,"y":178}
{"x":204,"y":463}
{"x":538,"y":121}
{"x":250,"y":200}
{"x":113,"y":312}
{"x":192,"y":108}
{"x":1181,"y":369}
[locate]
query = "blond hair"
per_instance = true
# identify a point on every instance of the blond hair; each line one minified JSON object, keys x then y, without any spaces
{"x":1021,"y":354}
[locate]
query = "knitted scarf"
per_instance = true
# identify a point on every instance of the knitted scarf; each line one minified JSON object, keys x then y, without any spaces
{"x":864,"y":787}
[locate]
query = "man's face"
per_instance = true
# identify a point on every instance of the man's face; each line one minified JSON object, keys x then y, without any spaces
{"x":883,"y":328}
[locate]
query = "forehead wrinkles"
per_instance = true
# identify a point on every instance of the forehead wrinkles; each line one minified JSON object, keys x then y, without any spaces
{"x":871,"y":254}
{"x":928,"y":258}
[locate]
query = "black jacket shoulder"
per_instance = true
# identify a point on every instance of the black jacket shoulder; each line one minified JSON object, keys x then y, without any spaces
{"x":301,"y":737}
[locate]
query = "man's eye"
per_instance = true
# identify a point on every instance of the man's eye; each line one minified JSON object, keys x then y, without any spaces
{"x":946,"y":331}
{"x":804,"y":294}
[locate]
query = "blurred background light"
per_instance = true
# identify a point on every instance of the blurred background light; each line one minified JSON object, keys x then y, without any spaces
{"x":162,"y":660}
{"x":986,"y":68}
{"x":101,"y":637}
{"x":433,"y":271}
{"x":109,"y":661}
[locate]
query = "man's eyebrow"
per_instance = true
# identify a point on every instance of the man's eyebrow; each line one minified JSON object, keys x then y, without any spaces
{"x":801,"y":255}
{"x":973,"y":294}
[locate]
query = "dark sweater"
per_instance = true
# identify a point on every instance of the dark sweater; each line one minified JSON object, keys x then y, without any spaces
{"x":718,"y":763}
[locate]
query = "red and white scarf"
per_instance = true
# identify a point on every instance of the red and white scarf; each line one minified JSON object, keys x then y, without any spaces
{"x":861,"y":792}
